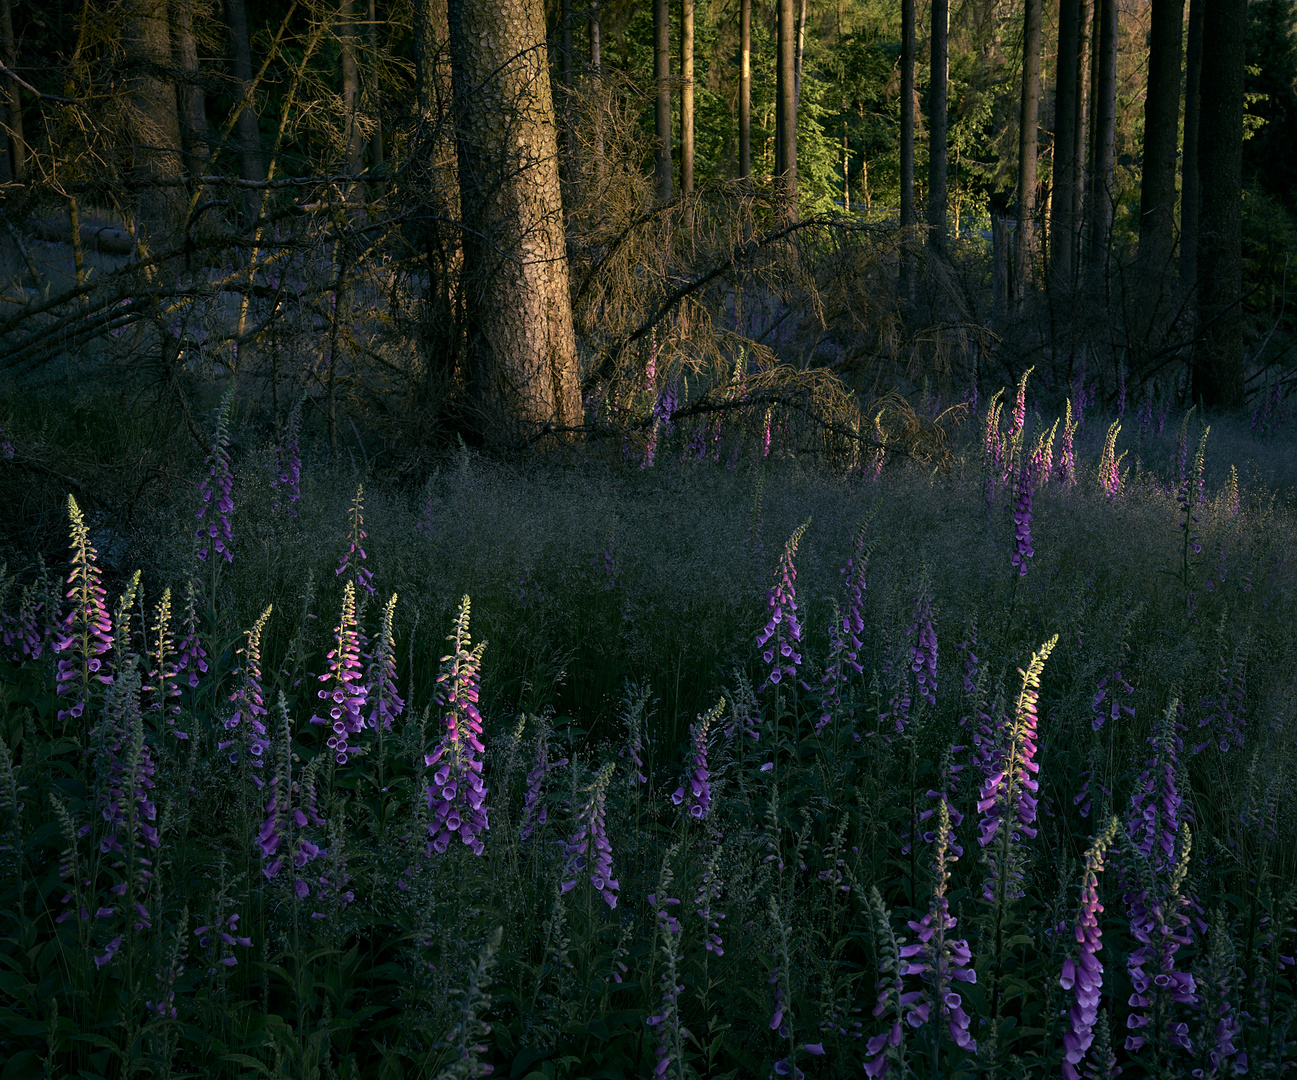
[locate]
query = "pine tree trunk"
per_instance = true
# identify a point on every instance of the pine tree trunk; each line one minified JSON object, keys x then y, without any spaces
{"x":1062,"y":238}
{"x":745,"y":89}
{"x":797,"y":63}
{"x":376,"y":136}
{"x":908,"y":216}
{"x":687,"y":96}
{"x":350,"y":87}
{"x":1104,"y":111}
{"x":596,"y":80}
{"x":1161,"y":131}
{"x":939,"y":69}
{"x":786,"y":109}
{"x":1081,"y":145}
{"x":662,"y":87}
{"x":154,"y":123}
{"x":522,"y":363}
{"x":12,"y":97}
{"x":1189,"y":187}
{"x":1027,"y":142}
{"x":189,"y":93}
{"x":247,"y":128}
{"x":1218,"y":359}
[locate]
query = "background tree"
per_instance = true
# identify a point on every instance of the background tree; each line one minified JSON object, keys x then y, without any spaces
{"x":786,"y":107}
{"x":1062,"y":238}
{"x":687,"y":96}
{"x":1161,"y":131}
{"x":662,"y":91}
{"x":1190,"y":191}
{"x":938,"y":73}
{"x":1103,"y":97}
{"x":1031,"y":19}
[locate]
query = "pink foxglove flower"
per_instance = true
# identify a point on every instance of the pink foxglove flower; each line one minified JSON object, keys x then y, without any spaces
{"x":355,"y":537}
{"x":591,"y":832}
{"x":696,"y":792}
{"x":1067,"y":448}
{"x":782,"y":635}
{"x":247,"y":723}
{"x":87,"y":631}
{"x":457,"y":796}
{"x":1022,"y":504}
{"x":215,"y":533}
{"x":347,"y":695}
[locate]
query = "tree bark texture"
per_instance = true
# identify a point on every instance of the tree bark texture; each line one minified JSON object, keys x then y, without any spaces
{"x":247,"y":127}
{"x":522,"y":363}
{"x":1161,"y":136}
{"x":375,"y":110}
{"x":13,"y":116}
{"x":1062,"y":234}
{"x":350,"y":87}
{"x":1218,"y":359}
{"x":1104,"y":111}
{"x":1081,"y":141}
{"x":687,"y":96}
{"x":908,"y":217}
{"x":662,"y":87}
{"x":1189,"y":188}
{"x":797,"y":61}
{"x":190,"y":98}
{"x":786,"y":108}
{"x":151,"y":112}
{"x":596,"y":80}
{"x":745,"y":88}
{"x":939,"y":69}
{"x":1027,"y":142}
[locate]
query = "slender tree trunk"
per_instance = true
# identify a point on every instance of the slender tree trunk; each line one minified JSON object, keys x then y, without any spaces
{"x":801,"y":48}
{"x":522,"y":362}
{"x":432,"y":59}
{"x":1189,"y":187}
{"x":662,"y":86}
{"x":1062,"y":239}
{"x":565,"y":65}
{"x":1218,"y":361}
{"x":786,"y":109}
{"x":745,"y":89}
{"x":687,"y":96}
{"x":908,"y":216}
{"x":189,"y":93}
{"x":846,"y":167}
{"x":375,"y":109}
{"x":247,"y":128}
{"x":1081,"y":144}
{"x":12,"y":97}
{"x":154,"y":123}
{"x":1104,"y":110}
{"x":1161,"y":130}
{"x":596,"y":84}
{"x":939,"y":69}
{"x":350,"y":87}
{"x":1027,"y":142}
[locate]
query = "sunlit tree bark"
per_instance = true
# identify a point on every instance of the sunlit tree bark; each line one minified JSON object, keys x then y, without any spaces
{"x":662,"y":109}
{"x":1027,"y":141}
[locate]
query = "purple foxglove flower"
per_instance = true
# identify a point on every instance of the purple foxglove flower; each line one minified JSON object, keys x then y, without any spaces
{"x":1083,"y":972}
{"x":696,"y":792}
{"x":191,"y":661}
{"x":355,"y":537}
{"x":923,"y":650}
{"x":1020,"y":407}
{"x":635,"y":702}
{"x":162,"y":686}
{"x":1007,"y":801}
{"x":844,"y":632}
{"x":1106,"y":705}
{"x":782,"y":635}
{"x":765,"y":437}
{"x":86,"y":634}
{"x":1156,"y":807}
{"x":215,"y":533}
{"x":220,"y":939}
{"x":457,"y":796}
{"x":709,"y":891}
{"x":534,"y":812}
{"x":292,"y":807}
{"x":347,"y":696}
{"x":381,"y":678}
{"x":288,"y":454}
{"x":592,"y":833}
{"x":670,"y":1031}
{"x":949,"y":773}
{"x":1022,"y":499}
{"x":1218,"y":1051}
{"x":28,"y":632}
{"x":248,"y":718}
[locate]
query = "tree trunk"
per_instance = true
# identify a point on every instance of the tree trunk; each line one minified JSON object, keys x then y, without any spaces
{"x":908,"y":217}
{"x":745,"y":89}
{"x":1062,"y":237}
{"x":786,"y":109}
{"x":376,"y":136}
{"x":596,"y":80}
{"x":189,"y":93}
{"x":1218,"y":360}
{"x":247,"y":128}
{"x":432,"y":59}
{"x":1161,"y":131}
{"x":939,"y":69}
{"x":522,"y":362}
{"x":662,"y":86}
{"x":154,"y":124}
{"x":350,"y":87}
{"x":12,"y":98}
{"x":1189,"y":187}
{"x":1027,"y":142}
{"x":1104,"y":98}
{"x":797,"y":63}
{"x":846,"y":168}
{"x":687,"y":96}
{"x":1081,"y":144}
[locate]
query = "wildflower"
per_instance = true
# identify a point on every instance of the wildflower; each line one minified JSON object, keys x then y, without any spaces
{"x":698,"y":797}
{"x":249,"y":704}
{"x":1106,"y":690}
{"x":381,"y":677}
{"x":591,"y":830}
{"x":1022,"y":515}
{"x":1019,"y":418}
{"x":844,"y":632}
{"x":191,"y":659}
{"x":887,"y":1049}
{"x":1066,"y":450}
{"x":671,"y":1033}
{"x":1121,"y":390}
{"x":1110,"y":463}
{"x":348,"y":694}
{"x":765,"y":436}
{"x":162,"y":685}
{"x":1042,"y":456}
{"x":225,"y":936}
{"x":355,"y":537}
{"x":534,"y":812}
{"x":1231,"y":493}
{"x":288,"y":471}
{"x":456,"y":796}
{"x":1007,"y":801}
{"x":949,"y":780}
{"x":1182,"y":447}
{"x":1218,"y":1053}
{"x":26,"y":633}
{"x":290,"y":809}
{"x":634,"y":702}
{"x":87,"y":630}
{"x":215,"y":489}
{"x":709,"y":891}
{"x":783,"y":632}
{"x":1084,"y":974}
{"x":880,"y":447}
{"x":923,"y":651}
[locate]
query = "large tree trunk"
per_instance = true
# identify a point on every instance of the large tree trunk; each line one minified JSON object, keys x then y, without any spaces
{"x":1189,"y":187}
{"x":1027,"y":141}
{"x":375,"y":109}
{"x":521,"y":346}
{"x":786,"y":109}
{"x":1062,"y":236}
{"x":797,"y":60}
{"x":939,"y":70}
{"x":154,"y":123}
{"x":1161,"y":131}
{"x":1218,"y":360}
{"x":687,"y":96}
{"x":17,"y":157}
{"x":355,"y":140}
{"x":1081,"y":143}
{"x":908,"y":216}
{"x":662,"y":87}
{"x":247,"y":127}
{"x":745,"y":88}
{"x":596,"y":85}
{"x":1104,"y":111}
{"x":189,"y":93}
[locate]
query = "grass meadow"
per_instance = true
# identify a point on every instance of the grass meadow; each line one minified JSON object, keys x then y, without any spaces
{"x":748,"y":763}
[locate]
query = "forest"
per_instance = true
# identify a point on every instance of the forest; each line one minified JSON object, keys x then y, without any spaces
{"x":623,"y":538}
